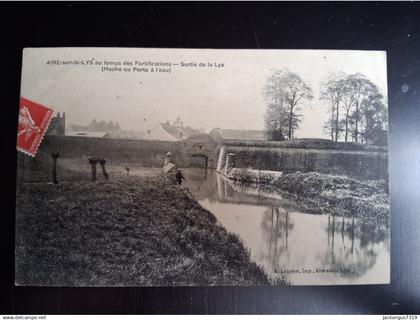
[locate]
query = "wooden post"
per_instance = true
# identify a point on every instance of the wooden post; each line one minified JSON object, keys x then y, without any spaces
{"x":93,"y":163}
{"x":102,"y":163}
{"x":55,"y":156}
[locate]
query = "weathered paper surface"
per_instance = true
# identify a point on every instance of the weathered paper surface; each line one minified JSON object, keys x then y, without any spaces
{"x":205,"y":167}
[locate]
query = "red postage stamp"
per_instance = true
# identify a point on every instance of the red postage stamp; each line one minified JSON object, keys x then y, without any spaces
{"x":34,"y":119}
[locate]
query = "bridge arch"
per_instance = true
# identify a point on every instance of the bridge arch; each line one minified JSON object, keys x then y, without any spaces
{"x":199,"y":160}
{"x":200,"y":151}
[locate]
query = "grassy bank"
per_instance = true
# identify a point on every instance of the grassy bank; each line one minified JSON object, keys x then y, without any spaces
{"x":337,"y":194}
{"x":129,"y":231}
{"x":310,"y":143}
{"x":327,"y":193}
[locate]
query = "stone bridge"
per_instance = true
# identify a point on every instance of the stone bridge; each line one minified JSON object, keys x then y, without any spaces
{"x":200,"y":151}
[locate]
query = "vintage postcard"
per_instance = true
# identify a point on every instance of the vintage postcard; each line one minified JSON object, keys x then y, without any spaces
{"x":183,"y":167}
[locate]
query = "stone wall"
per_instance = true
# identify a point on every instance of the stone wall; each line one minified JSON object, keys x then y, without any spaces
{"x":353,"y":160}
{"x":142,"y":152}
{"x":357,"y":164}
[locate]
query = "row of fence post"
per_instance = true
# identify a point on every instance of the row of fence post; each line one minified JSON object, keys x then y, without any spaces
{"x":92,"y":161}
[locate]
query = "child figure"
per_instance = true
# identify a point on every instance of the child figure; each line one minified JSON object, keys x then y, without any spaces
{"x":179,"y":177}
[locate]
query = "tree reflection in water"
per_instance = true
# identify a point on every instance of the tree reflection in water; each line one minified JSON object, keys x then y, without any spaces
{"x":351,"y":243}
{"x":276,"y":223}
{"x":280,"y":234}
{"x":354,"y":253}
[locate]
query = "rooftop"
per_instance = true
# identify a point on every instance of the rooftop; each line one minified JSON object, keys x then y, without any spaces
{"x":234,"y":134}
{"x":94,"y":134}
{"x":180,"y":132}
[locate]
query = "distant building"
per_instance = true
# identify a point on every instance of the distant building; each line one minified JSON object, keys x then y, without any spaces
{"x":98,"y":126}
{"x":90,"y":134}
{"x":221,"y":135}
{"x":112,"y":128}
{"x":57,"y":125}
{"x":168,"y":132}
{"x":125,"y":134}
{"x":178,"y":122}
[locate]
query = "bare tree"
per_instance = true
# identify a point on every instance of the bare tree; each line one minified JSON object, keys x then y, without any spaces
{"x":355,"y":88}
{"x":347,"y":105}
{"x":366,"y":104}
{"x":373,"y":118}
{"x":274,"y":122}
{"x":296,"y":91}
{"x":363,"y":112}
{"x":358,"y":88}
{"x":285,"y":91}
{"x":332,"y":91}
{"x":275,"y":118}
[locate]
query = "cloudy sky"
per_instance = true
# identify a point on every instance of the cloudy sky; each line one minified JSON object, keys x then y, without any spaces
{"x":203,"y":97}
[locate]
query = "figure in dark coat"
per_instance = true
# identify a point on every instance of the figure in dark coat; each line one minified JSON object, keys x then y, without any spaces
{"x":179,"y":177}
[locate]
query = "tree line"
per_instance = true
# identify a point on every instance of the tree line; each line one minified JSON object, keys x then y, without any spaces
{"x":356,"y":107}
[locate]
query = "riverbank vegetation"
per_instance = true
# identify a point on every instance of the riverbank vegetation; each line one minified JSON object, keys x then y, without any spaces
{"x":128,"y":231}
{"x":325,"y":193}
{"x":337,"y":194}
{"x":310,"y":143}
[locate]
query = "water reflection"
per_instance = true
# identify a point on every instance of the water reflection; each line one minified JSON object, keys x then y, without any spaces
{"x":276,"y":224}
{"x":284,"y":238}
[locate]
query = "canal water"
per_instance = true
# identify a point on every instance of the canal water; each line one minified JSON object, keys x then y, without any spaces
{"x":288,"y":241}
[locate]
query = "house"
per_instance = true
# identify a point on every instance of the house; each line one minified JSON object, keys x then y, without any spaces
{"x":89,"y":134}
{"x":169,"y":132}
{"x":221,"y":135}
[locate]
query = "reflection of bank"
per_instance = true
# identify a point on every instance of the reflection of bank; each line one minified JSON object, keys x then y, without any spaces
{"x":201,"y":183}
{"x":229,"y":191}
{"x":204,"y":182}
{"x":208,"y":184}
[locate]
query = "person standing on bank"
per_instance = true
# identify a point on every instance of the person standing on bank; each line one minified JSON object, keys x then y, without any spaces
{"x":179,"y":177}
{"x":169,"y":168}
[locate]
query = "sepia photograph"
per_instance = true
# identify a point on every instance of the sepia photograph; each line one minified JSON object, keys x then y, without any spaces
{"x":202,"y":167}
